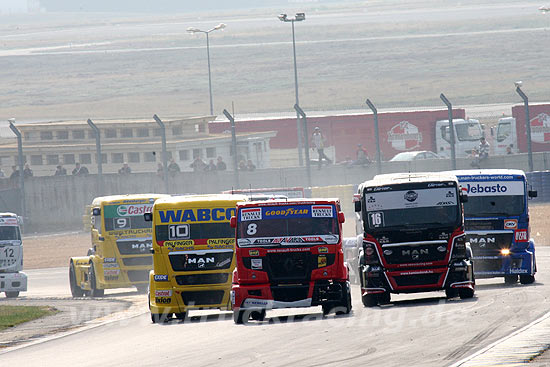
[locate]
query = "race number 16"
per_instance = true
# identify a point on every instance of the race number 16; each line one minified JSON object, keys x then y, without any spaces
{"x":376,"y":219}
{"x":178,"y":231}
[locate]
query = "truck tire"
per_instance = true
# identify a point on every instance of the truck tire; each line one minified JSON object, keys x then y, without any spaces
{"x":76,"y":291}
{"x":94,"y":292}
{"x":160,"y":317}
{"x":238,"y":317}
{"x":12,"y":294}
{"x":384,"y":298}
{"x":523,"y":279}
{"x":451,"y":292}
{"x":180,"y":315}
{"x":465,"y":293}
{"x":511,"y":279}
{"x":258,"y":315}
{"x":370,"y":300}
{"x":345,"y":305}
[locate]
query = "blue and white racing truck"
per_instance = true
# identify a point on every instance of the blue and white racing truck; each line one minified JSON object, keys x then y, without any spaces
{"x":497,"y":223}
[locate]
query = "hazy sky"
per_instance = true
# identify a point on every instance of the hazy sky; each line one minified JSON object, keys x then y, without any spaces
{"x":164,"y":5}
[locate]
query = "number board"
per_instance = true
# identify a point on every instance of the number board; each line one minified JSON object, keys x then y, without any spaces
{"x":178,"y":232}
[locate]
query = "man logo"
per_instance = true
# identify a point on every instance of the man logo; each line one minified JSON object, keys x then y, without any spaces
{"x":411,"y":196}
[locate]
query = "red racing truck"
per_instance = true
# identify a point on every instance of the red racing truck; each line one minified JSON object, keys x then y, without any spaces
{"x":289,"y":254}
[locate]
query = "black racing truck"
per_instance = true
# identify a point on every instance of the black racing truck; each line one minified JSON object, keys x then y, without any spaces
{"x":413,"y":238}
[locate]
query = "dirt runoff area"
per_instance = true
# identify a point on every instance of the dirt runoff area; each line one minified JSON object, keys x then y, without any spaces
{"x":51,"y":251}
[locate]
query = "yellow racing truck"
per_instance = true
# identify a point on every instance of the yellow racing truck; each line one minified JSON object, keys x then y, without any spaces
{"x":120,"y":256}
{"x":193,"y":254}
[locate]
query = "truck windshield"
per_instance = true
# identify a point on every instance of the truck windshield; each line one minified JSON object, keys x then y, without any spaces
{"x":411,"y":207}
{"x":468,"y":131}
{"x":288,"y":225}
{"x":9,"y":233}
{"x":503,"y":131}
{"x":494,"y":198}
{"x":195,"y":231}
{"x":120,"y":217}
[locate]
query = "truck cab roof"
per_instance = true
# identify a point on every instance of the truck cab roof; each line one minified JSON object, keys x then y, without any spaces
{"x":297,"y":201}
{"x":399,"y":178}
{"x":488,"y":172}
{"x":119,"y":199}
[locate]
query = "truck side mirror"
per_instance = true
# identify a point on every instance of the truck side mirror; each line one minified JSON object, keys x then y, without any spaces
{"x":341,"y":217}
{"x":357,"y":202}
{"x":533,"y":193}
{"x":463,"y":198}
{"x":233,"y":222}
{"x":19,"y":220}
{"x":148,"y":217}
{"x":96,"y":211}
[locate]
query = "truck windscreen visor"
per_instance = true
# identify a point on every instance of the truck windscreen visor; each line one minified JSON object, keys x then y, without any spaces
{"x":412,"y":207}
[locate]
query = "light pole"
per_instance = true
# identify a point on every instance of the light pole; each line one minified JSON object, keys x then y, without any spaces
{"x":196,"y":30}
{"x":164,"y":154}
{"x":451,"y":128}
{"x":233,"y":147}
{"x":376,"y":135}
{"x":308,"y":162}
{"x":527,"y":124}
{"x":297,"y":18}
{"x":21,"y":163}
{"x":99,"y":156}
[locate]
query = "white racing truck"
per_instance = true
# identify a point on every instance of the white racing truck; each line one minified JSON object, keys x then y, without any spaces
{"x":12,"y":279}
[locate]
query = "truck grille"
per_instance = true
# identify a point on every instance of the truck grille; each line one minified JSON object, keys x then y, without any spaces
{"x":487,"y":265}
{"x":290,"y":293}
{"x":135,"y":261}
{"x":196,"y":262}
{"x":489,"y":244}
{"x":483,"y":224}
{"x":202,"y":297}
{"x":197,"y":279}
{"x":289,"y":266}
{"x":138,"y":275}
{"x":417,"y":279}
{"x":134,"y":247}
{"x":417,"y":253}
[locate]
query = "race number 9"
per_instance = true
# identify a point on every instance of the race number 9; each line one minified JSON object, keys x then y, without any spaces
{"x":376,"y":219}
{"x":252,"y":229}
{"x":121,"y":222}
{"x":178,"y":231}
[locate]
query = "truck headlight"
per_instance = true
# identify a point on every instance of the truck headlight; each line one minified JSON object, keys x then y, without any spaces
{"x":505,"y":252}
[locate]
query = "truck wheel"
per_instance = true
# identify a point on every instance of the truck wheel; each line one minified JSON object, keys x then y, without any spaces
{"x":180,"y":315}
{"x":523,"y":279}
{"x":76,"y":291}
{"x":160,"y":317}
{"x":370,"y":300}
{"x":465,"y":293}
{"x":384,"y":298}
{"x":327,"y":307}
{"x":238,"y":317}
{"x":511,"y":279}
{"x":94,"y":292}
{"x":12,"y":294}
{"x":258,"y":315}
{"x":142,"y":288}
{"x":345,"y":305}
{"x":451,"y":292}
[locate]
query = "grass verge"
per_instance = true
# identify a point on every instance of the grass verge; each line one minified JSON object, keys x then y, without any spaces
{"x":11,"y":316}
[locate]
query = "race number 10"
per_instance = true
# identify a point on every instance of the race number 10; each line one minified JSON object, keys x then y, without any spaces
{"x":178,"y":231}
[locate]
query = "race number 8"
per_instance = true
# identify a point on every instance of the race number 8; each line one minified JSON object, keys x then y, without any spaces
{"x":376,"y":219}
{"x":178,"y":231}
{"x":252,"y":229}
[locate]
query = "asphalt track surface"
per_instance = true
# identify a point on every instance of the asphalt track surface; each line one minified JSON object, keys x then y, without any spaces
{"x":415,"y":330}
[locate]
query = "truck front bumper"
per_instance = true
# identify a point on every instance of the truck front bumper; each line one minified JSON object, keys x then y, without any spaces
{"x":11,"y":282}
{"x":499,"y":266}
